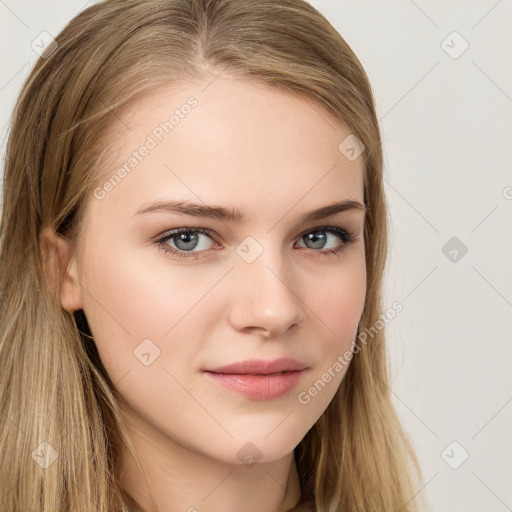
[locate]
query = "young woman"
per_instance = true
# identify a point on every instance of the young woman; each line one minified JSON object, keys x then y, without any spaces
{"x":193,"y":238}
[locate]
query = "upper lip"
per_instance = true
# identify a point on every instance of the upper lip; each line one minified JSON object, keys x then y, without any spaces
{"x":260,"y":367}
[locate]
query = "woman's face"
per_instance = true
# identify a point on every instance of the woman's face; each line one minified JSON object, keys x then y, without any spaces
{"x":263,"y":287}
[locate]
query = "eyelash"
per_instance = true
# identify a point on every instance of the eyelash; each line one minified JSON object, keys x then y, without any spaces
{"x":346,"y":237}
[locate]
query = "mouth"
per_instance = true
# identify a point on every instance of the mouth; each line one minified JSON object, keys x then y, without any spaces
{"x":260,"y":367}
{"x":258,"y":387}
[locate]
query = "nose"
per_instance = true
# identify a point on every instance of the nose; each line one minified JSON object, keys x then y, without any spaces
{"x":265,"y":302}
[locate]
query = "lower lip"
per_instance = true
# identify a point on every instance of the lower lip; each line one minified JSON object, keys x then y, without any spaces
{"x":259,"y":387}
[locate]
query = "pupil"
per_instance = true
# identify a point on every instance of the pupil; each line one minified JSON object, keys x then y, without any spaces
{"x":186,"y":238}
{"x":318,"y":240}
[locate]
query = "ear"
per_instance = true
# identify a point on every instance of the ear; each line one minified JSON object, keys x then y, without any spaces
{"x":61,"y":270}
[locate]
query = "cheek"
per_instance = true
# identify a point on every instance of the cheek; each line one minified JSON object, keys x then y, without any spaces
{"x":339,"y":301}
{"x":336,"y":307}
{"x":134,"y":299}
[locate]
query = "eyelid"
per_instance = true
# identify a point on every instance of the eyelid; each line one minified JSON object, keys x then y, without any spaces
{"x":346,"y":237}
{"x":217,"y":238}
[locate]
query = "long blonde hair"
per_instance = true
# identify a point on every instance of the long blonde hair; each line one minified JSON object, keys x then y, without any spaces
{"x":53,"y":387}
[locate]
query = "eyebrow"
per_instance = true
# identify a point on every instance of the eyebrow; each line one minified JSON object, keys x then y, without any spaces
{"x":236,"y":216}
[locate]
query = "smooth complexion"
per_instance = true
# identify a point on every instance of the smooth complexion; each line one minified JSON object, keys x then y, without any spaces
{"x":274,"y":157}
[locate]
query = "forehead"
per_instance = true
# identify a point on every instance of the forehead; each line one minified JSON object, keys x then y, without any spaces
{"x":228,"y":141}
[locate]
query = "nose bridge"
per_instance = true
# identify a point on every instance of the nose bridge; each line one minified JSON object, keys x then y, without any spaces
{"x":265,"y":296}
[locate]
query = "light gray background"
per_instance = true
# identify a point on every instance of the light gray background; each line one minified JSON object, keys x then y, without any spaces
{"x":447,"y":129}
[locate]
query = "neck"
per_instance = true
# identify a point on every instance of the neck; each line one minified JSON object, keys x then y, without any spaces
{"x":173,"y":477}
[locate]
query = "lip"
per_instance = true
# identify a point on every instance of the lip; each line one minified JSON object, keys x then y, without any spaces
{"x":260,"y":367}
{"x":258,"y":387}
{"x":259,"y":379}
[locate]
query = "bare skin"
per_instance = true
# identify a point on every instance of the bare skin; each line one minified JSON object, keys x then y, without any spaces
{"x":274,"y":156}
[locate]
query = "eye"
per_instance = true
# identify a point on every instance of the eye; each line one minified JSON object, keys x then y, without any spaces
{"x":318,"y":239}
{"x":187,"y":242}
